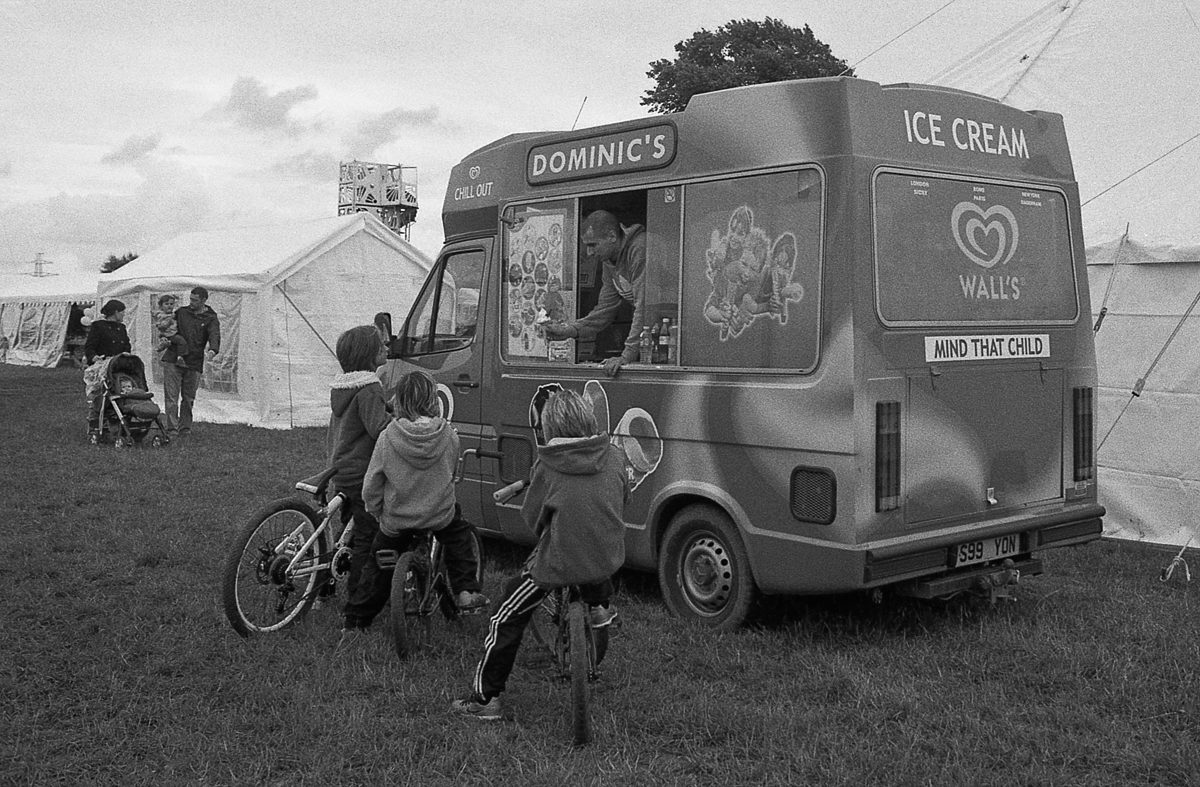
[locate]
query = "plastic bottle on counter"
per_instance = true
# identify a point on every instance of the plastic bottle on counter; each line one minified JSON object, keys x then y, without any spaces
{"x":645,"y":346}
{"x":663,"y":341}
{"x":673,"y":345}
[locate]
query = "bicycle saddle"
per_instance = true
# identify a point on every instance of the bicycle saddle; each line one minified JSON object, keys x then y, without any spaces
{"x":317,"y":483}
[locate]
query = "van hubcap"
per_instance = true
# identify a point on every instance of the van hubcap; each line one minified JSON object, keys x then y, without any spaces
{"x":707,"y":574}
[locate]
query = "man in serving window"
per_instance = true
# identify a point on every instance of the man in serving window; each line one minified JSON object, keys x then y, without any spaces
{"x":621,"y":251}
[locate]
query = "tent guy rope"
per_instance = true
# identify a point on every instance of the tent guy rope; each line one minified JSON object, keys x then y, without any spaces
{"x":1141,"y":382}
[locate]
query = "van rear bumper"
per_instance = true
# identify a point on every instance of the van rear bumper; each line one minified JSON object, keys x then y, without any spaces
{"x":890,"y":563}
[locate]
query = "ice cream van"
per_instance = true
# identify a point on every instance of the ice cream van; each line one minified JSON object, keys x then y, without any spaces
{"x":878,"y":371}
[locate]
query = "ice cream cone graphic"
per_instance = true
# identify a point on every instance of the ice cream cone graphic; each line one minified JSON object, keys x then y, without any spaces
{"x":637,"y":437}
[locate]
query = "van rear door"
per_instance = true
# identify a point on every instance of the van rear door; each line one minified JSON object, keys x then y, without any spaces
{"x":975,"y":279}
{"x":981,"y":439}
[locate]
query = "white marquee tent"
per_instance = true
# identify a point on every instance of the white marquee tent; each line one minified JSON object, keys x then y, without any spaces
{"x":1125,"y":75}
{"x":284,"y":293}
{"x":34,"y":311}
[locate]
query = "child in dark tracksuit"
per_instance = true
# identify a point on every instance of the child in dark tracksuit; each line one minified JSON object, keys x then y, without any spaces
{"x":409,"y":487}
{"x":574,"y":505}
{"x":360,"y":414}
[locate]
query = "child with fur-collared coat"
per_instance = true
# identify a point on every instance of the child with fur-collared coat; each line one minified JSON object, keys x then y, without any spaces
{"x":359,"y":415}
{"x":577,"y":491}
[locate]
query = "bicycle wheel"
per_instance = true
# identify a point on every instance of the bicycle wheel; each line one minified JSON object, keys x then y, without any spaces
{"x":577,"y":622}
{"x":410,"y":583}
{"x":257,"y":590}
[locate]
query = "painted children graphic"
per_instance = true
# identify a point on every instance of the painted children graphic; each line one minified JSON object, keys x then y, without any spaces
{"x":750,"y":275}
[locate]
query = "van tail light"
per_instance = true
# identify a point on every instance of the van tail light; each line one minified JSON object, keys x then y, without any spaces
{"x":1084,"y":434}
{"x":887,"y":456}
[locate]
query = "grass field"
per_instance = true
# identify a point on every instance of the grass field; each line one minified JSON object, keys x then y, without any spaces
{"x":117,"y":666}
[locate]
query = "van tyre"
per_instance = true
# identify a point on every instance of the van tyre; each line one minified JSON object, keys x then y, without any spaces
{"x":703,"y":569}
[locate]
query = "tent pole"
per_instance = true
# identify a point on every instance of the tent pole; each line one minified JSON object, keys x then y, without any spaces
{"x":287,"y":335}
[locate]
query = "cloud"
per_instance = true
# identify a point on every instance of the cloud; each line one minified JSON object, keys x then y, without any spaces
{"x":308,"y":166}
{"x":251,"y":105}
{"x":5,"y":168}
{"x":377,"y":131}
{"x":170,"y":200}
{"x":133,"y":149}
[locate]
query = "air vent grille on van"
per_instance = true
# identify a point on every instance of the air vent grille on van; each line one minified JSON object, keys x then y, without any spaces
{"x":814,"y":495}
{"x":887,"y":456}
{"x":1084,"y":422}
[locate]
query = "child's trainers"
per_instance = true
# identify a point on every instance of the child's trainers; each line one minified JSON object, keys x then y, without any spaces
{"x":601,"y":616}
{"x":474,"y":707}
{"x":468,"y":599}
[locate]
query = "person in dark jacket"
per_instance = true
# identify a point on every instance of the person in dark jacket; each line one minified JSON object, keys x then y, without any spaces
{"x":199,"y":327}
{"x":106,"y":338}
{"x":359,"y":415}
{"x":577,"y":491}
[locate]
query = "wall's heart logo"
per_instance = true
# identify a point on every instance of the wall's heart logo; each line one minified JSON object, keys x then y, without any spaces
{"x":987,"y":237}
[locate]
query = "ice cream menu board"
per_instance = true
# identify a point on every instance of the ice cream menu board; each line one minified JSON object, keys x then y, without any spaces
{"x":539,"y":282}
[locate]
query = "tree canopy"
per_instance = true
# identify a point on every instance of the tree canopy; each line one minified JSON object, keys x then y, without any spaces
{"x":113,"y":262}
{"x":744,"y":52}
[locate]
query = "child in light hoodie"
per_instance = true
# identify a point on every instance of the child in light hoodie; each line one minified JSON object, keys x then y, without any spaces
{"x":409,"y":487}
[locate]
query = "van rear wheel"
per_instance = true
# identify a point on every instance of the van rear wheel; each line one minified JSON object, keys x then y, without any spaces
{"x":704,"y":570}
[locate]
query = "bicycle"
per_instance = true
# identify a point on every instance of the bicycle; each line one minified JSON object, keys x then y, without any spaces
{"x":286,"y":557}
{"x":565,"y":631}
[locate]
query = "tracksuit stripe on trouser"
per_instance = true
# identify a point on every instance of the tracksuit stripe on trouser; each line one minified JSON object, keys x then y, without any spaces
{"x":504,"y":636}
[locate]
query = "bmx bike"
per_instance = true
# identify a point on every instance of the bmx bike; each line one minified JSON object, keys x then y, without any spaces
{"x":562,"y":627}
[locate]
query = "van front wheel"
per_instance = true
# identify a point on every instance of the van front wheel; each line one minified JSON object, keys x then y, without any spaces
{"x":703,"y":569}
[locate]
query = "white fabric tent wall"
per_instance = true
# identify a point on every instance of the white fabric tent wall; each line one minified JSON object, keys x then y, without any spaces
{"x":285,"y":293}
{"x":1150,"y":451}
{"x":1125,"y":75}
{"x":34,"y":311}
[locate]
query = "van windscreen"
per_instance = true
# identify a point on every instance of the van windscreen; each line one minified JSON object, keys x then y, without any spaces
{"x":964,"y":251}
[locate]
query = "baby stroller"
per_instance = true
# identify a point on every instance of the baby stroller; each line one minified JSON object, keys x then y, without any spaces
{"x":127,"y":412}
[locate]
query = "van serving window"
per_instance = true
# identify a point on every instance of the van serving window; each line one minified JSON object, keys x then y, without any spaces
{"x":951,"y":250}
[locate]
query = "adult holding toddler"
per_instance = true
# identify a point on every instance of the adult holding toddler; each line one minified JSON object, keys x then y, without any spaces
{"x":198,"y":326}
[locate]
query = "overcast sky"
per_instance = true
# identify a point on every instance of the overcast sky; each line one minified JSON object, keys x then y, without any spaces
{"x":125,"y":123}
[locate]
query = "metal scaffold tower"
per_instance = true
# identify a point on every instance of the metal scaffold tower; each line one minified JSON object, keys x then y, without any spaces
{"x":387,"y":190}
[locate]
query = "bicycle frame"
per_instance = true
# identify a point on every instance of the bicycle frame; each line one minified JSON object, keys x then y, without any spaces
{"x":328,"y":511}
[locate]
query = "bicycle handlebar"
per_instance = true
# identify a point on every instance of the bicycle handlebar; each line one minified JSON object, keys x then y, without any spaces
{"x":506,"y":493}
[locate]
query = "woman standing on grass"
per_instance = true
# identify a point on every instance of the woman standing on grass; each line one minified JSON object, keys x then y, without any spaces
{"x":106,"y":338}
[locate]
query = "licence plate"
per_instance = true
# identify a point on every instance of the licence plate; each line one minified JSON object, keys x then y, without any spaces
{"x":985,"y":549}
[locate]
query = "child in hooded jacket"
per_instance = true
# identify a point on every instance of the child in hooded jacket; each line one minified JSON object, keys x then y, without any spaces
{"x":409,"y":487}
{"x":360,"y":414}
{"x":574,"y":503}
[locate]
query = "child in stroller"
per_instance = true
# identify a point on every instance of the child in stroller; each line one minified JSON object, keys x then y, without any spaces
{"x":127,"y":412}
